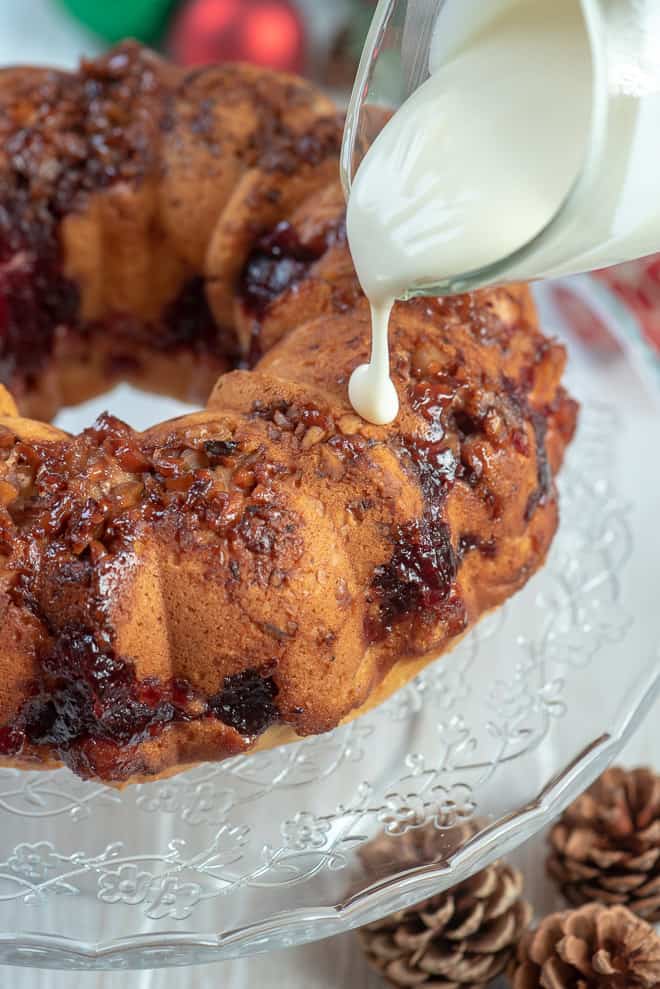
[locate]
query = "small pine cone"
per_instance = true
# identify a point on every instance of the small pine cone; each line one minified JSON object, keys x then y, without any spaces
{"x":595,"y":947}
{"x":460,"y":939}
{"x":606,"y":846}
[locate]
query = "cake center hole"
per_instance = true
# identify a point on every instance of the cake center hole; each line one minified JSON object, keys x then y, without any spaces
{"x":140,"y":409}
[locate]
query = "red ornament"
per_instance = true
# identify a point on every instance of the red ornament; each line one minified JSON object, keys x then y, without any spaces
{"x":265,"y":32}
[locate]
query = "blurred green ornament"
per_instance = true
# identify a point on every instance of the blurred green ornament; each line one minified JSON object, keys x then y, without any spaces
{"x":117,"y":19}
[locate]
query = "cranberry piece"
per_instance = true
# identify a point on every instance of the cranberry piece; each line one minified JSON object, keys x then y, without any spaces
{"x":86,"y":692}
{"x":277,"y":262}
{"x":181,"y":693}
{"x":466,"y":424}
{"x":436,"y":467}
{"x":246,"y":702}
{"x":34,"y":299}
{"x":59,"y":718}
{"x":11,"y":741}
{"x":4,"y":316}
{"x":280,"y":260}
{"x":419,"y":576}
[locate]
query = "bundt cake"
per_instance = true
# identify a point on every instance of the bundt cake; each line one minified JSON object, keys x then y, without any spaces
{"x":272,"y":565}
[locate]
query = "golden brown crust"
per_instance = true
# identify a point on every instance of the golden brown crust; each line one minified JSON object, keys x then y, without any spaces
{"x":271,"y":566}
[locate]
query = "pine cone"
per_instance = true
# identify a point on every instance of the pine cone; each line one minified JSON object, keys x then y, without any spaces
{"x":462,"y":938}
{"x":595,"y":947}
{"x":387,"y":854}
{"x":606,"y":846}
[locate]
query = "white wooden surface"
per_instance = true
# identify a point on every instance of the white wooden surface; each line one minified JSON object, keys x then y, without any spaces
{"x":36,"y":31}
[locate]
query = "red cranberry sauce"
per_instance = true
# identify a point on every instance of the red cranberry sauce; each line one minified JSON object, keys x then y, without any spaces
{"x":34,"y":296}
{"x":246,"y":703}
{"x":419,"y":580}
{"x":280,"y":260}
{"x":89,"y":707}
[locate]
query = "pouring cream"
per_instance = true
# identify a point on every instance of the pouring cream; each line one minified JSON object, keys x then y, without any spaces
{"x":473,"y":165}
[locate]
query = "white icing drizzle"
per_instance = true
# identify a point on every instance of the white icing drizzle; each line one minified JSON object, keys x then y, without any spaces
{"x":371,"y":390}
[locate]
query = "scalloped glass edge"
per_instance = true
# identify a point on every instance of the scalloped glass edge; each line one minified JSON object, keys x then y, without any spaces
{"x":296,"y":927}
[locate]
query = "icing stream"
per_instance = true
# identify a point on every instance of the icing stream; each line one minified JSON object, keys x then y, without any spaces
{"x":371,"y":391}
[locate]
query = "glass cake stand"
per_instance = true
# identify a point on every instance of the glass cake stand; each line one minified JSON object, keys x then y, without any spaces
{"x":268,"y":850}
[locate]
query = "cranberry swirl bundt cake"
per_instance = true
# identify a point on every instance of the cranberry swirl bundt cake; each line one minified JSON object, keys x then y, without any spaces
{"x":272,"y":565}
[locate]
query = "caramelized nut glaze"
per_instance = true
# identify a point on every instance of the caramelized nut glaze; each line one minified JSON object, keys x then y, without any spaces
{"x":187,"y":592}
